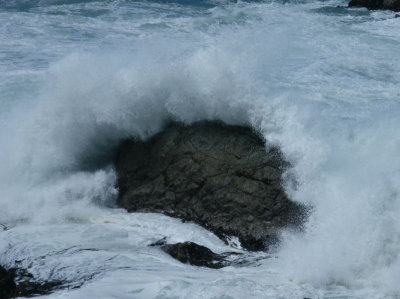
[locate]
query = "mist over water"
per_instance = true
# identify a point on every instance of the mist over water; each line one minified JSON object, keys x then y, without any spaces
{"x":320,"y":81}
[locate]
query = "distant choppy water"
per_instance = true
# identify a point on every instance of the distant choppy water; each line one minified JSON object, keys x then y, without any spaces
{"x":321,"y":81}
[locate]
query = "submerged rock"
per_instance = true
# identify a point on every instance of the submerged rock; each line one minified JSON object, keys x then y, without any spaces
{"x":216,"y":175}
{"x":194,"y":254}
{"x":376,"y":4}
{"x":199,"y":255}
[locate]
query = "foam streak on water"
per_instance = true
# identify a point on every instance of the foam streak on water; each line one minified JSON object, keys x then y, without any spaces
{"x":320,"y":81}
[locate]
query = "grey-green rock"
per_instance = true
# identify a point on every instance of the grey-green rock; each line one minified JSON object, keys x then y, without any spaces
{"x":219,"y":176}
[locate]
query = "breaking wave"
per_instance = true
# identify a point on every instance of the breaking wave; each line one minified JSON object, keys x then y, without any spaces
{"x":330,"y":103}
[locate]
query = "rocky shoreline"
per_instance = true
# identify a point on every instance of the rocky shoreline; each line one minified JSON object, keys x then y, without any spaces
{"x":219,"y":176}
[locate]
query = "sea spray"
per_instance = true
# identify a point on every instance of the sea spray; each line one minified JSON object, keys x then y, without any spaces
{"x":319,"y":81}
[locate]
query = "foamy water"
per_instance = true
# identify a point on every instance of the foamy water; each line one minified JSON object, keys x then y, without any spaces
{"x":320,"y":81}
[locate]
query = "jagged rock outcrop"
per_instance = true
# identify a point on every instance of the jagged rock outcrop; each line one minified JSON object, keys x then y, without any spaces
{"x":216,"y":175}
{"x":376,"y":4}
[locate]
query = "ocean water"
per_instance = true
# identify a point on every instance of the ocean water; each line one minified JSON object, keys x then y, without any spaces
{"x":319,"y":80}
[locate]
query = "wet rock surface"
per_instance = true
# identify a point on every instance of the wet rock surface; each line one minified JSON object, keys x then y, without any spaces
{"x":15,"y":282}
{"x":194,"y":254}
{"x":219,"y":176}
{"x":376,"y":4}
{"x":199,"y":255}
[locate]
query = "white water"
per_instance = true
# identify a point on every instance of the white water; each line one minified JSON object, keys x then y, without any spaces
{"x":321,"y":82}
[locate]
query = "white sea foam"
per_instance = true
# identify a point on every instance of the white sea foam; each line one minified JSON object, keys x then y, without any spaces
{"x":321,"y":85}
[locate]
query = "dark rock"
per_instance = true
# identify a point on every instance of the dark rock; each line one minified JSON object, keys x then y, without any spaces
{"x":8,"y":289}
{"x":18,"y":282}
{"x":397,"y":16}
{"x":194,"y":254}
{"x":376,"y":4}
{"x":219,"y":176}
{"x":198,"y":255}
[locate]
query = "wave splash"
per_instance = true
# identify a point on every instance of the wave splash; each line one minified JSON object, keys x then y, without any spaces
{"x":88,"y":105}
{"x":56,"y":149}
